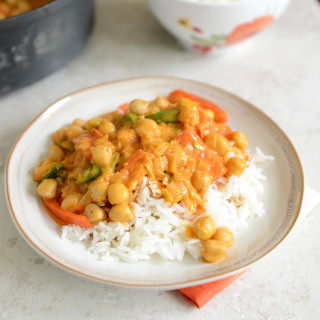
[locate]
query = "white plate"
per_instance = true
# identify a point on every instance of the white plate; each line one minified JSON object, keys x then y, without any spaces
{"x":282,"y":197}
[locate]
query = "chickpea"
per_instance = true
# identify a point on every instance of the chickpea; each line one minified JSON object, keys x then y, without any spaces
{"x":161,"y":102}
{"x":219,"y":143}
{"x":56,"y":153}
{"x":225,"y":235}
{"x":74,"y":131}
{"x":187,"y":103}
{"x":127,"y":136}
{"x":146,"y":127}
{"x":214,"y":250}
{"x":42,"y":169}
{"x":223,"y":146}
{"x":94,"y":213}
{"x":72,"y":202}
{"x":189,"y":116}
{"x":107,"y":127}
{"x":60,"y":135}
{"x":101,"y":155}
{"x":98,"y":191}
{"x":38,"y":173}
{"x":236,"y":166}
{"x":240,"y":139}
{"x":209,"y":113}
{"x":204,"y":228}
{"x":138,"y":106}
{"x":121,"y":213}
{"x":48,"y":188}
{"x":118,"y":193}
{"x":81,"y":123}
{"x":201,"y":180}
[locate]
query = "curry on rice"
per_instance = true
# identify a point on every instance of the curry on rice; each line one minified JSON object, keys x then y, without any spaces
{"x":180,"y":142}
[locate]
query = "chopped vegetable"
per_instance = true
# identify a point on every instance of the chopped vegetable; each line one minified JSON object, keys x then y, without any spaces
{"x":129,"y":118}
{"x":95,"y":122}
{"x":198,"y":146}
{"x":217,"y":167}
{"x":219,"y":114}
{"x":114,"y":161}
{"x":89,"y":174}
{"x":66,"y":216}
{"x":138,"y":157}
{"x":68,"y":145}
{"x":84,"y":143}
{"x":123,"y":108}
{"x":170,"y":116}
{"x":175,"y":191}
{"x":53,"y":171}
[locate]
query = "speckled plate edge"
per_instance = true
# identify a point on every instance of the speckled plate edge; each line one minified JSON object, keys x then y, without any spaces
{"x":294,"y":204}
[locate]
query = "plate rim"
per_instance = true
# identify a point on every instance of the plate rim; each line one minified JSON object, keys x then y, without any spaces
{"x":173,"y":285}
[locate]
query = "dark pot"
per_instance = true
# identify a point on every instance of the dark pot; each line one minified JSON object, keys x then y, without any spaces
{"x":38,"y":42}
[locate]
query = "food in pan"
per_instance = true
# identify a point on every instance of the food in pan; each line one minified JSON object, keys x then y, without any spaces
{"x":10,"y":8}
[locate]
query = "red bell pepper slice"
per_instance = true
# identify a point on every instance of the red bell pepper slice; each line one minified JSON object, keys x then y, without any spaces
{"x":66,"y":216}
{"x":220,"y":114}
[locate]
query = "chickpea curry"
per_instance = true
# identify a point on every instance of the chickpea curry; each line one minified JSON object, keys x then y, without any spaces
{"x":180,"y":142}
{"x":10,"y":8}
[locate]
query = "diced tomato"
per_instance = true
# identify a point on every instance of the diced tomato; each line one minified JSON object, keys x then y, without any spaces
{"x":123,"y":108}
{"x":219,"y":114}
{"x":135,"y":159}
{"x":134,"y":169}
{"x":66,"y":216}
{"x":194,"y":145}
{"x":84,"y":142}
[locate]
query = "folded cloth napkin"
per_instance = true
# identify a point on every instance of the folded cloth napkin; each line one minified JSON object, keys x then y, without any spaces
{"x":201,"y":294}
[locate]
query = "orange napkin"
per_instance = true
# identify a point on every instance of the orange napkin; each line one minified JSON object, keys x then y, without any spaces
{"x":200,"y":295}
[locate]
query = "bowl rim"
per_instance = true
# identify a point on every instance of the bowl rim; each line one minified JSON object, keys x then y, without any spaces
{"x":174,"y":285}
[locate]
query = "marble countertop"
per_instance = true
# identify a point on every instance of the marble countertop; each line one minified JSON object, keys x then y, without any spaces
{"x":278,"y":70}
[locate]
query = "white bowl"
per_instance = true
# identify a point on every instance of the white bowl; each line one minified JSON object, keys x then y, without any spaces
{"x":282,"y":197}
{"x":204,"y":25}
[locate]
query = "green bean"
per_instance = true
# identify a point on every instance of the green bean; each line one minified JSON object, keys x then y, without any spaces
{"x":169,"y":116}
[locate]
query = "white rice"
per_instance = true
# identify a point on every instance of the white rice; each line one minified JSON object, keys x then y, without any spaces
{"x":159,"y":228}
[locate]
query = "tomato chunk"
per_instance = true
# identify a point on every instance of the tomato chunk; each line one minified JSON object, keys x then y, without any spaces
{"x":123,"y":108}
{"x":84,"y":143}
{"x":194,"y":145}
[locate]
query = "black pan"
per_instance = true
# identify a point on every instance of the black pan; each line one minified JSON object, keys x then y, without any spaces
{"x":38,"y":42}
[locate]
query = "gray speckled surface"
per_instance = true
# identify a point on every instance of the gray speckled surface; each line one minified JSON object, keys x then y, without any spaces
{"x":279,"y":71}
